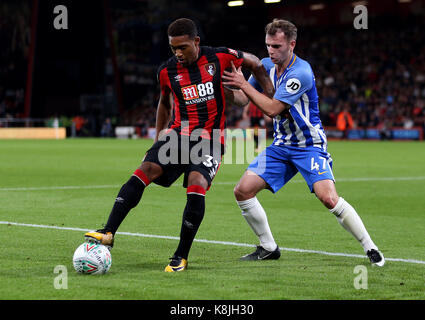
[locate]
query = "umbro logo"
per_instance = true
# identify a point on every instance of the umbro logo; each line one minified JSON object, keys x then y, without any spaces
{"x":178,"y":77}
{"x":119,"y":200}
{"x":234,"y":52}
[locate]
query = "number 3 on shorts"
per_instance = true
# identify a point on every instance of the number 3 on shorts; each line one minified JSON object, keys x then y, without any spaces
{"x":208,"y":162}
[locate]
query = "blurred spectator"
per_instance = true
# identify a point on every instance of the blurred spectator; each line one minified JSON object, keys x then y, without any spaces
{"x":78,"y":125}
{"x":344,"y":121}
{"x":14,"y":41}
{"x":107,"y":130}
{"x":53,"y":122}
{"x":384,"y":128}
{"x":256,"y":118}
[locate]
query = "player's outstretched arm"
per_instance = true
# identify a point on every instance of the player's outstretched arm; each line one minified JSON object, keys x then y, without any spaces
{"x":270,"y":106}
{"x":163,"y":113}
{"x":260,"y":74}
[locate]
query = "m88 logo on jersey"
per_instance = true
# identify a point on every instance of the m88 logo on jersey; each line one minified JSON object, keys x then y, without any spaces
{"x":196,"y":91}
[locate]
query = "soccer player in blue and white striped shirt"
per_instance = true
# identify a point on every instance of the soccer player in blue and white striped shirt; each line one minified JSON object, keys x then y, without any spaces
{"x":299,"y":144}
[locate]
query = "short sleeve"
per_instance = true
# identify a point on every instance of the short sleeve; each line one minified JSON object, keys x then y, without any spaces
{"x":163,"y":80}
{"x":253,"y":82}
{"x":227,"y":55}
{"x":294,"y":86}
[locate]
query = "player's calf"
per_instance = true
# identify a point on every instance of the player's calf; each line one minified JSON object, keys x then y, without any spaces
{"x":128,"y":197}
{"x":256,"y":217}
{"x":192,"y":217}
{"x":349,"y":219}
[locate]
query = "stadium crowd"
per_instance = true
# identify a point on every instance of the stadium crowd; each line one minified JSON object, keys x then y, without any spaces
{"x":14,"y":40}
{"x":377,"y":75}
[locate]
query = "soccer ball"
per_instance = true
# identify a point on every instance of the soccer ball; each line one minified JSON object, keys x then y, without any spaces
{"x":92,"y":258}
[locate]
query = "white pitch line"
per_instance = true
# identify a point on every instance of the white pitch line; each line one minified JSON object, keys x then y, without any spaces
{"x":338,"y":254}
{"x":111,"y":186}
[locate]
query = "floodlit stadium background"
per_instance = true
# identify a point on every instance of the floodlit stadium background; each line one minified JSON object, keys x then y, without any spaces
{"x":100,"y":73}
{"x":104,"y":67}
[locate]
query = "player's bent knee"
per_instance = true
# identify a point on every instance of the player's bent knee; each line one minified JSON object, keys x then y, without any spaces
{"x":151,"y":170}
{"x":326,"y":193}
{"x":329,"y":201}
{"x":237,"y":193}
{"x":196,"y":178}
{"x":241,"y":193}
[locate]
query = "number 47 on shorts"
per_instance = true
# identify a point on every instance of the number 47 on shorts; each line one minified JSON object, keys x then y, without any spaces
{"x":316,"y":166}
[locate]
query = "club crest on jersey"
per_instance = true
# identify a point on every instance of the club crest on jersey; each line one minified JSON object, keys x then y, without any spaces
{"x":210,"y":68}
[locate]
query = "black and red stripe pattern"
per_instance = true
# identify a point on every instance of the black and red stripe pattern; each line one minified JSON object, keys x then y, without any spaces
{"x":254,"y":112}
{"x":195,"y":189}
{"x":198,"y":94}
{"x":142,"y":177}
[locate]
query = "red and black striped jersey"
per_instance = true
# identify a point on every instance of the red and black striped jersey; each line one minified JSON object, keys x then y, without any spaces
{"x":254,"y":112}
{"x":198,"y":94}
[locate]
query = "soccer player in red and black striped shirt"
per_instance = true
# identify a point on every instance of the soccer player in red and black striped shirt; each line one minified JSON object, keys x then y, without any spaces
{"x":190,"y":125}
{"x":256,"y":118}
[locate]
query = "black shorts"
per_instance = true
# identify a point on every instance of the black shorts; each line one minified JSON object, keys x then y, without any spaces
{"x":182,"y":156}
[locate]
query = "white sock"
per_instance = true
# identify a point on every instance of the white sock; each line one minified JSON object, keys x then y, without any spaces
{"x":256,"y":217}
{"x":350,"y":220}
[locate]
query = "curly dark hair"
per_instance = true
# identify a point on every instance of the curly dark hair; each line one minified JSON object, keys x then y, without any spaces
{"x":181,"y":27}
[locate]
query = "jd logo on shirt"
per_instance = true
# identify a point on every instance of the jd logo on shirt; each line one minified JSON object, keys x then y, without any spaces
{"x":293,"y":85}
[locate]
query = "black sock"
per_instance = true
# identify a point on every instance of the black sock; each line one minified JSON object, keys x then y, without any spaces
{"x":128,"y":197}
{"x":192,"y":218}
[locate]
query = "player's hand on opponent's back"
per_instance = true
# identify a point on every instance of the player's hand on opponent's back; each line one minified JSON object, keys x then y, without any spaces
{"x":234,"y":78}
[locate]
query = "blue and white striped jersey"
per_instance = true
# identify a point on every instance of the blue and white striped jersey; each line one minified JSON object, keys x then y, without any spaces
{"x":297,"y":88}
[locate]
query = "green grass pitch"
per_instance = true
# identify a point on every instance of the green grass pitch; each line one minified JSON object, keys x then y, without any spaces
{"x":49,"y":190}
